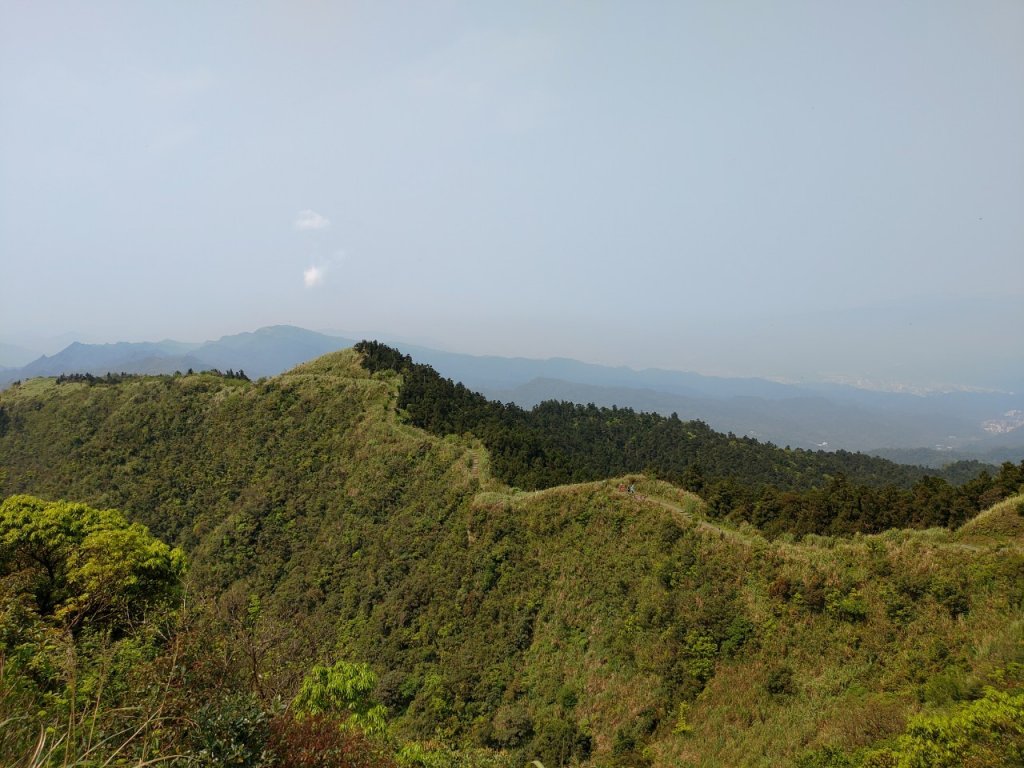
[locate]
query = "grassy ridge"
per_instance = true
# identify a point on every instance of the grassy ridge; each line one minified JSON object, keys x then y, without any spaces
{"x":779,"y":490}
{"x":574,"y":623}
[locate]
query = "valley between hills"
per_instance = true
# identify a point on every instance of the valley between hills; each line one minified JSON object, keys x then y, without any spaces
{"x":357,"y":563}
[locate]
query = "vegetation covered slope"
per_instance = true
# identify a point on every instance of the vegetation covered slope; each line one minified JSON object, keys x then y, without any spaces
{"x":745,"y":480}
{"x":578,"y":623}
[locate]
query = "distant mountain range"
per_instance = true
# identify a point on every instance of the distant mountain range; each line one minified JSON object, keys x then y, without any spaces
{"x":265,"y":352}
{"x":931,"y":429}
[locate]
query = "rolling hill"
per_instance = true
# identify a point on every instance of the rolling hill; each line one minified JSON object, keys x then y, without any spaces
{"x":576,"y":623}
{"x":940,"y":427}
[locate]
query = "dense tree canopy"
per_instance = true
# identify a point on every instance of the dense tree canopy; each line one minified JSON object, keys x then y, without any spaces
{"x":80,"y":565}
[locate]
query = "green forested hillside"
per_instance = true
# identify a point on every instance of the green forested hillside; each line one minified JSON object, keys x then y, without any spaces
{"x":573,"y":624}
{"x":777,"y":489}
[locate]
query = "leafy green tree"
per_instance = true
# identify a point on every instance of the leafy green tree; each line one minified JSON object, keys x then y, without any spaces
{"x":85,"y":612}
{"x":80,"y":565}
{"x":343,"y":689}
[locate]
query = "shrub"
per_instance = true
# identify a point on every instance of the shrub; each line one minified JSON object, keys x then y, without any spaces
{"x":559,"y":740}
{"x":231,"y":731}
{"x":850,"y":607}
{"x":780,"y":682}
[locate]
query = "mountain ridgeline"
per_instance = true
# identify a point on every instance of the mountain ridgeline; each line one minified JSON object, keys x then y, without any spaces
{"x":955,"y":425}
{"x":334,"y":547}
{"x":776,"y":489}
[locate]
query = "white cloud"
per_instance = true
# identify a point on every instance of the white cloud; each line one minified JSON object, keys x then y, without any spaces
{"x":313,"y":276}
{"x":309,"y":220}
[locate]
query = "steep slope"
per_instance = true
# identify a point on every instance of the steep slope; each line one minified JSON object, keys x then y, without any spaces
{"x":731,"y":650}
{"x":577,"y":622}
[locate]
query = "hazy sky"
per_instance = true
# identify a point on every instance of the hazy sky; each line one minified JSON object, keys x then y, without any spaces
{"x":786,"y":189}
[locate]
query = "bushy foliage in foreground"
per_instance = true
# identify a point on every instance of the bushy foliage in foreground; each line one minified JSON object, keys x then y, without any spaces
{"x":84,"y":598}
{"x":83,"y":567}
{"x":100,"y":665}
